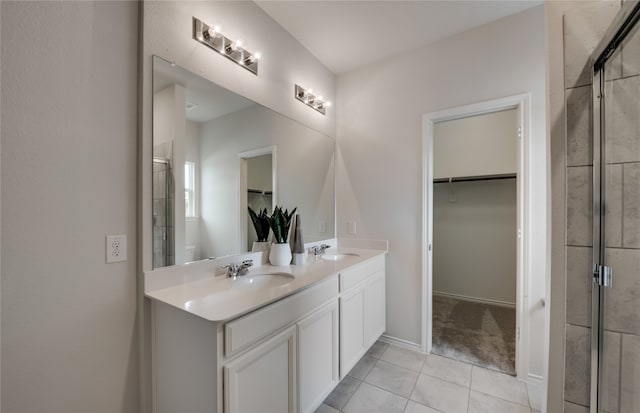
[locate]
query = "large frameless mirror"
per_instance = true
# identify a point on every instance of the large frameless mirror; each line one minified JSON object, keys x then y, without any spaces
{"x":215,"y":154}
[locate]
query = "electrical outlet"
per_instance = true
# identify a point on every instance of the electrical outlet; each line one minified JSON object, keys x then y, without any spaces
{"x":116,"y":248}
{"x":351,"y":227}
{"x":322,"y":227}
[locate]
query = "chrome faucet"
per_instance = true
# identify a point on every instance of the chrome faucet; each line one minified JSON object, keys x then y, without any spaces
{"x":237,"y":269}
{"x":319,"y":250}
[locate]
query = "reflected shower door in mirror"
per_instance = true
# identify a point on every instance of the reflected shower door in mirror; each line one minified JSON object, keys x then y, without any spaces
{"x":223,"y":153}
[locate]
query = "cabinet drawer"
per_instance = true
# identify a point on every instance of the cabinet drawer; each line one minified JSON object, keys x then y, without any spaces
{"x":245,"y":331}
{"x":354,"y":276}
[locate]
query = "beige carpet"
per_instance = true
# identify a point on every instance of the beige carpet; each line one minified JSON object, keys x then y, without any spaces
{"x":476,"y":333}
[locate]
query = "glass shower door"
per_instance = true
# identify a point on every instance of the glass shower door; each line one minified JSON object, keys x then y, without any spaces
{"x":616,"y":243}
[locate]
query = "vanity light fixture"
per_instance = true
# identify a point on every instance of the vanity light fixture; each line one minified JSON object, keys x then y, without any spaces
{"x":233,"y":50}
{"x":307,"y":97}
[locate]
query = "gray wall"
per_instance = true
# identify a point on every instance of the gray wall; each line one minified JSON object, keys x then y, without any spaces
{"x":68,"y":130}
{"x":474,"y":240}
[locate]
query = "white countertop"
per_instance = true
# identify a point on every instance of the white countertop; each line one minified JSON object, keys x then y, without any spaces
{"x":218,"y":298}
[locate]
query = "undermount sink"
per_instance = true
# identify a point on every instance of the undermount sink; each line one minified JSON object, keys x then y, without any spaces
{"x":272,"y":279}
{"x":339,"y":256}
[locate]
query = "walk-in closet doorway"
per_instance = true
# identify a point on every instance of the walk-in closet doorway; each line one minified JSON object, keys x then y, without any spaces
{"x":474,"y":208}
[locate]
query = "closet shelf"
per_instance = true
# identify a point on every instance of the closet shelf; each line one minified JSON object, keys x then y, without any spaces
{"x":474,"y":178}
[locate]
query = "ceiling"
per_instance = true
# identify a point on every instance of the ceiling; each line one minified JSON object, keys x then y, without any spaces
{"x":345,"y":35}
{"x":205,"y":100}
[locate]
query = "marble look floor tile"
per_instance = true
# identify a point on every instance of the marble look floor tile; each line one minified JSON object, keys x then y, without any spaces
{"x":363,"y":367}
{"x":341,"y":394}
{"x":413,"y":407}
{"x":392,"y":378}
{"x":447,"y":369}
{"x":499,"y":385}
{"x":370,"y":399}
{"x":440,"y":395}
{"x":483,"y":403}
{"x":326,"y":409}
{"x":408,"y":359}
{"x":377,"y":349}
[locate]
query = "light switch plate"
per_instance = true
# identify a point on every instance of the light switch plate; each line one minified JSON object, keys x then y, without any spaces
{"x":116,"y":248}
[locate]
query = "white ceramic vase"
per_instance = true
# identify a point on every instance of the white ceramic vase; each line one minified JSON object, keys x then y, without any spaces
{"x":280,"y":254}
{"x":260,"y":246}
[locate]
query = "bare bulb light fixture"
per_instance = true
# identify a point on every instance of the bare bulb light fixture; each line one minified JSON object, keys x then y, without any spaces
{"x":307,"y":97}
{"x":212,"y":37}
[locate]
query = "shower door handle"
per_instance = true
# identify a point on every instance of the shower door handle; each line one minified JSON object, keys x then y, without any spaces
{"x":603,"y":275}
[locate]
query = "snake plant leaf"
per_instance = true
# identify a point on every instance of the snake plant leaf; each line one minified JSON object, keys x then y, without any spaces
{"x":280,"y":222}
{"x":260,"y":224}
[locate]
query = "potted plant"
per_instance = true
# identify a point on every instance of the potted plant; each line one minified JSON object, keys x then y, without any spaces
{"x":280,"y":221}
{"x":261,"y":225}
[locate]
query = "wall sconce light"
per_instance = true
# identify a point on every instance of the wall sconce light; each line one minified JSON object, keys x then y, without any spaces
{"x":211,"y":36}
{"x":307,"y":97}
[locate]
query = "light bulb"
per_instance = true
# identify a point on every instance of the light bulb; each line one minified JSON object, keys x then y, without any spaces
{"x":238,"y":44}
{"x":327,"y":104}
{"x":257,"y":56}
{"x":309,"y":91}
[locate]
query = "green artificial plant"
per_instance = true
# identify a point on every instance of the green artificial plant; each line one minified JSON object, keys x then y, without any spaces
{"x":260,"y":223}
{"x":280,"y":221}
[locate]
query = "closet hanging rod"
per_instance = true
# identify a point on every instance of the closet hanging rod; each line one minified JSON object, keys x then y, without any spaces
{"x":258,"y":191}
{"x":475,"y":178}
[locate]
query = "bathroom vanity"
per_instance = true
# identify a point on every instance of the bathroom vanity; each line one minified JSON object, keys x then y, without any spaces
{"x":277,"y":339}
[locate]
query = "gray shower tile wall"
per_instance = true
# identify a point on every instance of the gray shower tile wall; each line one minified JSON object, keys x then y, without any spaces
{"x":579,"y":205}
{"x":611,"y":374}
{"x":613,"y":207}
{"x":622,"y":122}
{"x":630,"y":374}
{"x":622,"y":306}
{"x":579,"y":261}
{"x":631,"y":205}
{"x":583,"y":29}
{"x":577,"y":365}
{"x":579,"y":126}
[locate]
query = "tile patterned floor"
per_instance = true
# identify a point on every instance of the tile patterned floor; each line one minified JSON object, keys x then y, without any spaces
{"x":390,"y":379}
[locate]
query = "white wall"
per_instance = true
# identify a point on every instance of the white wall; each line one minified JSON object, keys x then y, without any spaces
{"x":192,"y":154}
{"x":478,"y":145}
{"x":304,"y":167}
{"x":69,"y":132}
{"x":474,"y":240}
{"x":379,"y":164}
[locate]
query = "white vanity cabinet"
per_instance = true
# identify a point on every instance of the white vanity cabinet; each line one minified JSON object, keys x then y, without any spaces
{"x":286,"y":356}
{"x":264,"y":378}
{"x":362,"y":310}
{"x":296,"y":368}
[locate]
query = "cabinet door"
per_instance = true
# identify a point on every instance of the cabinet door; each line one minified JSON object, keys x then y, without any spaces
{"x":264,"y":379}
{"x":351,"y":329}
{"x":318,"y":356}
{"x":374,"y":305}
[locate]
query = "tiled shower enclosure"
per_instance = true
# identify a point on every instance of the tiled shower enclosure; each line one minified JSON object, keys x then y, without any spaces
{"x":620,"y":350}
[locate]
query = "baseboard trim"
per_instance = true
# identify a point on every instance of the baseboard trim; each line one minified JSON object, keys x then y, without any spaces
{"x":476,"y":299}
{"x":398,"y":342}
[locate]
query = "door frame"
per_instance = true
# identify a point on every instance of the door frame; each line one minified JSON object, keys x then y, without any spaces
{"x":243,"y":198}
{"x":521,"y":104}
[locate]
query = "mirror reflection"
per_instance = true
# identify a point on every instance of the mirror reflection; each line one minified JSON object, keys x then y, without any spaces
{"x":215,"y":154}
